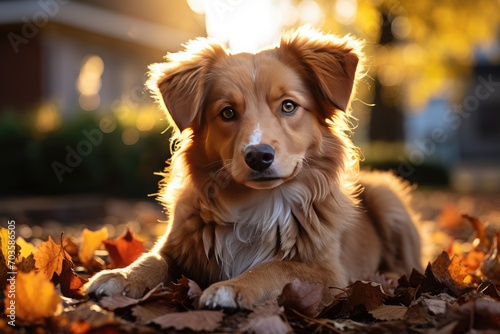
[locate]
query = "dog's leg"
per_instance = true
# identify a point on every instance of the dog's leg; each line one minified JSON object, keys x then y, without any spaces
{"x":266,"y":281}
{"x":133,"y":281}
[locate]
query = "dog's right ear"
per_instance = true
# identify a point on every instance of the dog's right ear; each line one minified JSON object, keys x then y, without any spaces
{"x":179,"y":84}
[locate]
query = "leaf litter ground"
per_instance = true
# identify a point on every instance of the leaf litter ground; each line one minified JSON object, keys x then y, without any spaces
{"x":458,"y":292}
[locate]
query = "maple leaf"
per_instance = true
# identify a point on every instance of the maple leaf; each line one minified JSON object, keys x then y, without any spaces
{"x":303,"y":297}
{"x":124,"y":250}
{"x":49,"y":258}
{"x":194,"y":320}
{"x":92,"y":240}
{"x":35,"y":297}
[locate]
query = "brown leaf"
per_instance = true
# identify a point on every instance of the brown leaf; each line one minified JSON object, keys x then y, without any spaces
{"x":71,"y":284}
{"x":302,"y":296}
{"x":389,"y":312}
{"x":491,"y":264}
{"x":148,"y":311}
{"x":124,"y":250}
{"x":116,"y":302}
{"x":27,"y":264}
{"x":451,"y":273}
{"x":194,"y":320}
{"x":368,"y":294}
{"x":480,"y":314}
{"x":49,"y":258}
{"x":270,"y":324}
{"x":482,"y":243}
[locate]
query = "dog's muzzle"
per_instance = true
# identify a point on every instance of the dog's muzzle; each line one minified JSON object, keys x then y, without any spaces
{"x":259,"y":157}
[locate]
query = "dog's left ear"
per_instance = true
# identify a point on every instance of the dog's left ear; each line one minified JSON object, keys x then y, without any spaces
{"x":329,"y":63}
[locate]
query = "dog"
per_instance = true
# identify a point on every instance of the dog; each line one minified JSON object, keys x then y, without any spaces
{"x":264,"y":185}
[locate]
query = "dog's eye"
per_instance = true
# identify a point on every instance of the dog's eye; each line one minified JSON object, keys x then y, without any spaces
{"x":228,"y":114}
{"x":288,"y":107}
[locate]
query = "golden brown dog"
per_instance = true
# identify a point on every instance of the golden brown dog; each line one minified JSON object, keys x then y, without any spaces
{"x":264,"y":186}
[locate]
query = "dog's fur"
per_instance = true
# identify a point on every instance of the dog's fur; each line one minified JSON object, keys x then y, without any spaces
{"x":243,"y":234}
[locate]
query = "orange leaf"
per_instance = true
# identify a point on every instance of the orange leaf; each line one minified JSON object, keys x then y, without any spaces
{"x":49,"y":258}
{"x":71,"y":283}
{"x":31,"y":297}
{"x":124,"y":250}
{"x":451,"y":273}
{"x":91,"y":242}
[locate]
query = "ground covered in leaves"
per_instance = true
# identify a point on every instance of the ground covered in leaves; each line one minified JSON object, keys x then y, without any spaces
{"x":41,"y":282}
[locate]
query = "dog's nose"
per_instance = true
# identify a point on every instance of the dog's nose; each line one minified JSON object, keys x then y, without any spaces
{"x":259,"y":157}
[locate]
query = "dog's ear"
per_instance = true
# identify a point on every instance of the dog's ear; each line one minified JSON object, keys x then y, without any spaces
{"x":329,"y":63}
{"x":179,"y":84}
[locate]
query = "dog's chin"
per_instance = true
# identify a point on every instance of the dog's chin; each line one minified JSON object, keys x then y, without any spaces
{"x":264,"y":184}
{"x":270,"y":182}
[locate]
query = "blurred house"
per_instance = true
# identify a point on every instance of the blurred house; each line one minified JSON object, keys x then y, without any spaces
{"x":462,"y":136}
{"x":86,"y":53}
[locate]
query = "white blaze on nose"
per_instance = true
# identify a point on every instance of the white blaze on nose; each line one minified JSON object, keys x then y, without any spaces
{"x":256,"y":136}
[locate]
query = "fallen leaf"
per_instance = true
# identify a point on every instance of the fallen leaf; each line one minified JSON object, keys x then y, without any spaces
{"x":451,"y":273}
{"x":25,"y":248}
{"x":49,"y":258}
{"x":389,"y":312}
{"x":368,"y":294}
{"x":146,"y":312}
{"x":71,"y":284}
{"x":271,"y":324}
{"x":479,"y":314}
{"x":4,"y":242}
{"x":92,"y":240}
{"x":194,"y":320}
{"x":35,"y":297}
{"x":491,"y":264}
{"x":482,"y":243}
{"x":302,"y":296}
{"x":124,"y":250}
{"x":27,"y":264}
{"x":116,"y":302}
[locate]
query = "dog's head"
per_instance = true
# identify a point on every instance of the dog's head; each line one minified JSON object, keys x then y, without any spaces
{"x":258,"y":116}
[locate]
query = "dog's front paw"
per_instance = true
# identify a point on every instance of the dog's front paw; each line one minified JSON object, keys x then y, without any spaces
{"x":115,"y":283}
{"x":228,"y":295}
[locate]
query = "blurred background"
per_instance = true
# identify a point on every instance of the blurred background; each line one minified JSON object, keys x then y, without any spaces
{"x":81,"y":139}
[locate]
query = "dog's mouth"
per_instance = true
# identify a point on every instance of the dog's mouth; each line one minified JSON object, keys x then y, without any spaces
{"x":268,"y":178}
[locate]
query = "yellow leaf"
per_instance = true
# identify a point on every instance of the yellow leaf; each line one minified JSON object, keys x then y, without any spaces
{"x":49,"y":258}
{"x":91,"y":241}
{"x":25,"y":248}
{"x":4,"y":239}
{"x":30,"y":297}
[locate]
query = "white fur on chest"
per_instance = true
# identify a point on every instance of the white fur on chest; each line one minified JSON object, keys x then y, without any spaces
{"x":246,"y":235}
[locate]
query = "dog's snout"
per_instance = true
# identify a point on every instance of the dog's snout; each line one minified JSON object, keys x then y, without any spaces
{"x":259,"y":157}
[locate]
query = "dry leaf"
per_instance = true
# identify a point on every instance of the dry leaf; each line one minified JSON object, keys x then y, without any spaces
{"x":71,"y":284}
{"x":451,"y":273}
{"x":25,"y":248}
{"x":49,"y":258}
{"x":91,"y":242}
{"x":389,"y":312}
{"x":27,"y":264}
{"x":303,"y":296}
{"x":35,"y":297}
{"x":124,"y":250}
{"x":368,"y":294}
{"x":194,"y":320}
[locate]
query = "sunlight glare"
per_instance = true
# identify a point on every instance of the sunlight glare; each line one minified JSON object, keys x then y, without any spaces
{"x":345,"y":11}
{"x":245,"y":25}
